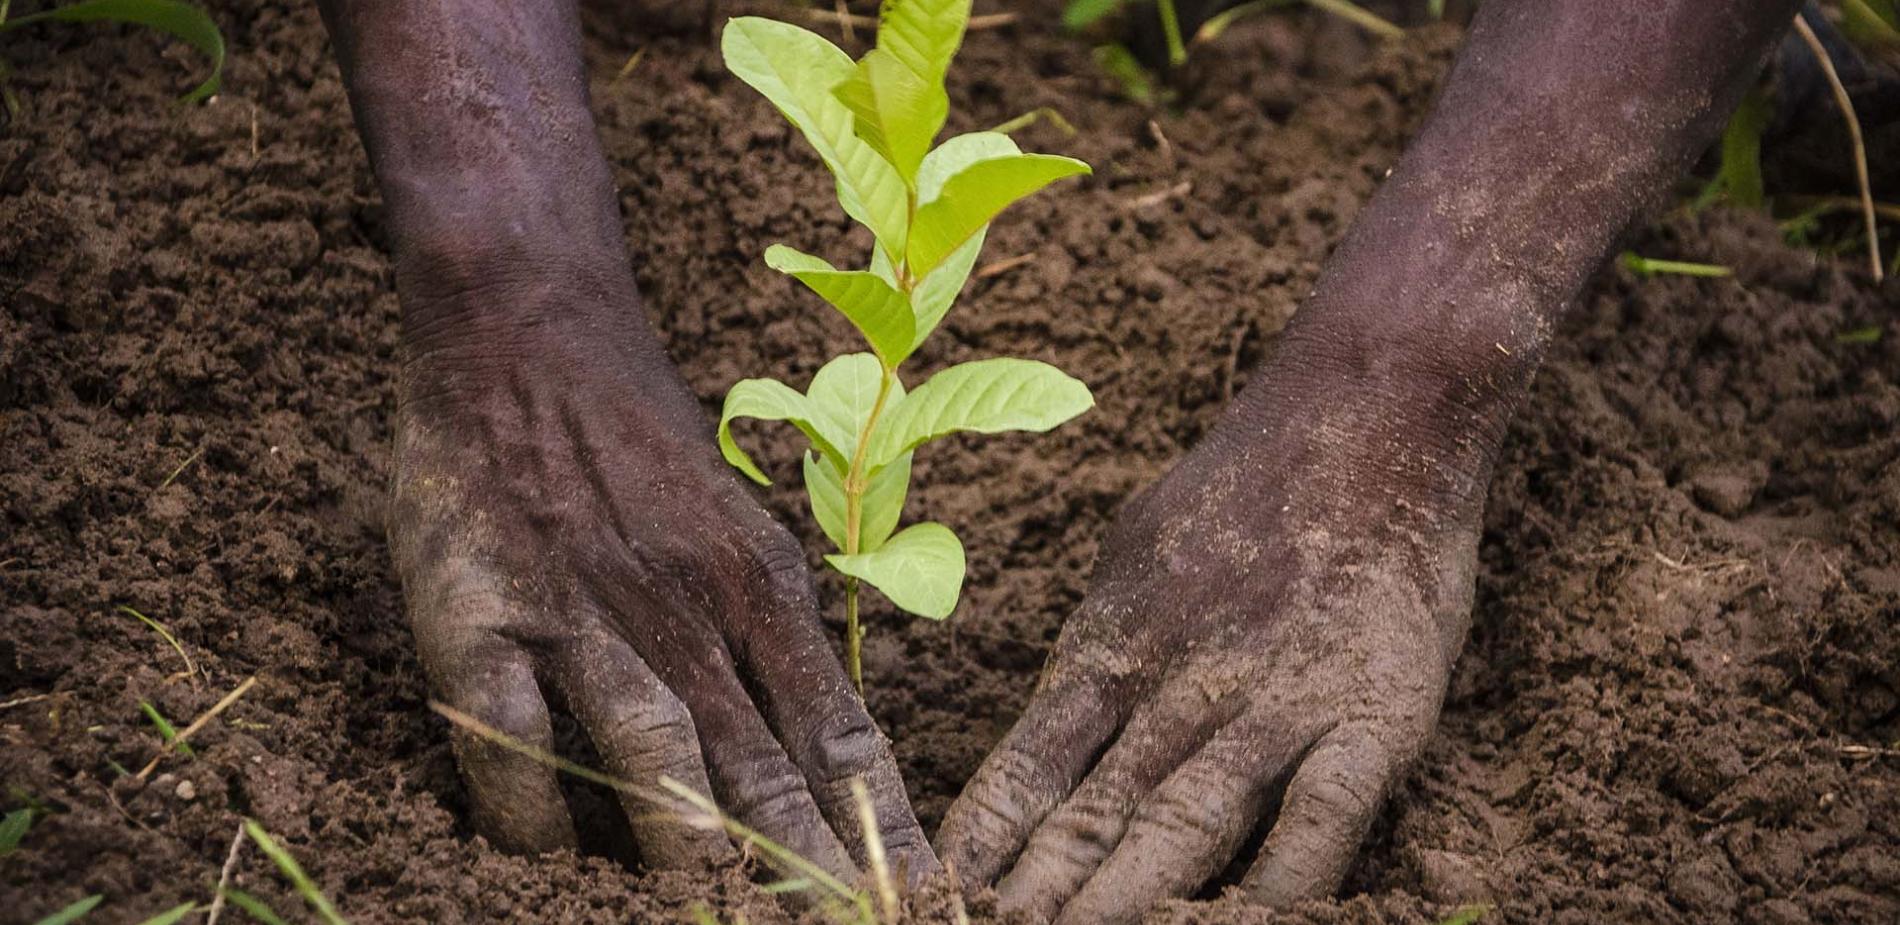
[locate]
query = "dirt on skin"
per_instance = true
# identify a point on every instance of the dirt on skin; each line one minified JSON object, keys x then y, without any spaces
{"x":1681,"y":697}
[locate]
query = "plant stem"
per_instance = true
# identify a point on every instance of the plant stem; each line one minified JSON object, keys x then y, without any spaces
{"x":855,"y":483}
{"x":853,"y":637}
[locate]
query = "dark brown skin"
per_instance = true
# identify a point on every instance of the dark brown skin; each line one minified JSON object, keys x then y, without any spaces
{"x":1272,"y":625}
{"x":560,"y":516}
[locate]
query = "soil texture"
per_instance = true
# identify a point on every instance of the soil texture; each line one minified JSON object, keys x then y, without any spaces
{"x":1680,"y":701}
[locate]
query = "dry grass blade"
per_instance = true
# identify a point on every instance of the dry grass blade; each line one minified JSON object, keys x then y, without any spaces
{"x":707,"y":814}
{"x":491,"y":734}
{"x":207,"y":716}
{"x":692,"y":807}
{"x":1846,"y":104}
{"x":181,"y":467}
{"x":874,"y":851}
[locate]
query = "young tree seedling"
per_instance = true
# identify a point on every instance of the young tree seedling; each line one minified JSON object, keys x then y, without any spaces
{"x":873,"y":122}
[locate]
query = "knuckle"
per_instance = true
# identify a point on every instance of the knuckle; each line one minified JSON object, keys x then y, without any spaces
{"x":772,"y":799}
{"x":1336,"y":795}
{"x":650,"y":734}
{"x":1182,"y":811}
{"x":845,"y":744}
{"x":1086,"y":830}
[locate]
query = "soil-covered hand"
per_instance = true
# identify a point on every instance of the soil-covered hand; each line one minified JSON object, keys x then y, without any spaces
{"x":1266,"y":644}
{"x":562,"y":521}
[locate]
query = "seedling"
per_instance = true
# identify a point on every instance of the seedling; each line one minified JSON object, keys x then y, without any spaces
{"x":873,"y":123}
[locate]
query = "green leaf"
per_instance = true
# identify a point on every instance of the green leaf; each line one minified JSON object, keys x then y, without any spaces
{"x":933,"y":295}
{"x":920,"y":569}
{"x":796,"y":69}
{"x":824,"y":489}
{"x":956,"y":153}
{"x":173,"y":915}
{"x":74,"y":912}
{"x":765,"y":400}
{"x":897,"y":111}
{"x":182,"y":21}
{"x":923,"y":35}
{"x":987,"y":396}
{"x":13,"y":828}
{"x":879,"y":312}
{"x":973,"y":196}
{"x":840,"y":399}
{"x":883,"y":501}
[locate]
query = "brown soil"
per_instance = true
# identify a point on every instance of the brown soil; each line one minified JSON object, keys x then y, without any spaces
{"x":1680,"y":701}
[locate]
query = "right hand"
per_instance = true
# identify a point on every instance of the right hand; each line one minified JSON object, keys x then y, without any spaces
{"x":561,"y":519}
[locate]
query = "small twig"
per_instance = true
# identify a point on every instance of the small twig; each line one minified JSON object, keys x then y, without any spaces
{"x":23,"y":701}
{"x":224,"y":876}
{"x":1867,"y":751}
{"x":197,"y":724}
{"x":1161,"y":141}
{"x":1003,"y":266}
{"x":1160,"y":196}
{"x":1853,"y":131}
{"x":844,"y":22}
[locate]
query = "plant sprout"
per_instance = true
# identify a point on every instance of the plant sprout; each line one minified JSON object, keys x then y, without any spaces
{"x":873,"y":122}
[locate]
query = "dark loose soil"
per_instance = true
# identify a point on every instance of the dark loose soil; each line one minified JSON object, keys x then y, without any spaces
{"x":1681,"y":697}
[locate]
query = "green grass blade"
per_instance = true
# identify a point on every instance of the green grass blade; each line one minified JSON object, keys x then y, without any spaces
{"x":191,"y":668}
{"x":1080,"y":14}
{"x":13,"y":828}
{"x":1171,"y":30}
{"x":72,"y":913}
{"x":173,"y":915}
{"x":164,"y":726}
{"x":252,"y":906}
{"x":182,"y":21}
{"x":1468,"y":914}
{"x":293,"y":872}
{"x":1649,"y":266}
